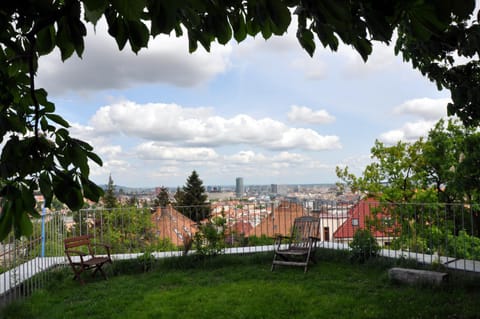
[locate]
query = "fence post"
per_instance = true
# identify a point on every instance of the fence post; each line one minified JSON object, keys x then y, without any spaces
{"x":43,"y":230}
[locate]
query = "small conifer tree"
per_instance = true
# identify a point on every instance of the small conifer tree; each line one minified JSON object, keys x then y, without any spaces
{"x":194,"y":199}
{"x":109,"y":199}
{"x":163,"y":198}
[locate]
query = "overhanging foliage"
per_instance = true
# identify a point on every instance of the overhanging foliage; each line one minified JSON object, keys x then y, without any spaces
{"x":38,"y":152}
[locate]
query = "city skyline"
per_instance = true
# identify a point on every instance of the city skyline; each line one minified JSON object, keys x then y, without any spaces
{"x":263,"y":110}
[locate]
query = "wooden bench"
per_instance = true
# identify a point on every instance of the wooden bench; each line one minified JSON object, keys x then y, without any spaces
{"x":80,"y":260}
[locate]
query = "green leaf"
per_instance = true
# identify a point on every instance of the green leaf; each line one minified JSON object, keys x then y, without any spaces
{"x":463,"y":9}
{"x":337,"y":10}
{"x":46,"y":40}
{"x":82,"y":144}
{"x":138,"y":35}
{"x":78,"y":31}
{"x":425,"y":22}
{"x":163,"y":15}
{"x":46,"y":188}
{"x":305,"y":37}
{"x":64,"y":39}
{"x":280,"y":16}
{"x":223,"y":30}
{"x":63,"y":133}
{"x":16,"y":124}
{"x":95,"y":4}
{"x":41,"y":96}
{"x":22,"y":225}
{"x":91,"y":190}
{"x":118,"y":30}
{"x":6,"y":219}
{"x":28,"y":199}
{"x":130,"y":9}
{"x":68,"y":191}
{"x":57,"y":119}
{"x":44,"y":124}
{"x":94,"y":9}
{"x":79,"y":159}
{"x":239,"y":27}
{"x":94,"y":157}
{"x":327,"y":36}
{"x":253,"y":27}
{"x":266,"y":30}
{"x":364,"y":47}
{"x":192,"y":42}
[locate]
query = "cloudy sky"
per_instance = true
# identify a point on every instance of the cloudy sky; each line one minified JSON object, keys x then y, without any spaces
{"x":261,"y":110}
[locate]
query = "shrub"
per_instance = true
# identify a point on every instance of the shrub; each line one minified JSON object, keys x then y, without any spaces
{"x":209,"y":240}
{"x":363,"y":246}
{"x":147,"y":260}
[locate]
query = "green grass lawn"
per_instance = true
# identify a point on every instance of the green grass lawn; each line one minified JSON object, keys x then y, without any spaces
{"x":244,"y":287}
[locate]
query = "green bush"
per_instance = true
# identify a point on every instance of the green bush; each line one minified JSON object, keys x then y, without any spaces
{"x":209,"y":240}
{"x":260,"y":241}
{"x":147,"y":260}
{"x":364,"y":246}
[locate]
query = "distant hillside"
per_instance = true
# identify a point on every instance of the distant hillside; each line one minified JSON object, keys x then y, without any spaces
{"x":131,"y":190}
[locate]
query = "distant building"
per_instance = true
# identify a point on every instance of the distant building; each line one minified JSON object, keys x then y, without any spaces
{"x":274,"y":188}
{"x":214,"y":189}
{"x":239,"y":187}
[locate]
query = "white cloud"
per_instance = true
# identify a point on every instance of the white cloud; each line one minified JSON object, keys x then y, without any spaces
{"x":169,"y":123}
{"x":382,"y":58}
{"x":103,"y":66}
{"x":312,"y":68}
{"x":392,"y":136}
{"x":155,"y":151}
{"x":250,"y":157}
{"x":246,"y":157}
{"x":111,"y":166}
{"x":409,"y":132}
{"x":427,"y":108}
{"x":306,"y":139}
{"x":307,"y":115}
{"x":358,"y":162}
{"x":109,"y":150}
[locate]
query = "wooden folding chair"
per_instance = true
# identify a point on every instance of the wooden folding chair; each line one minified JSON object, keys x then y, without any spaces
{"x":80,"y":260}
{"x":298,"y":249}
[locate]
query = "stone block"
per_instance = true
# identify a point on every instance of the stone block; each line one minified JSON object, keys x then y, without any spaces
{"x":417,"y":276}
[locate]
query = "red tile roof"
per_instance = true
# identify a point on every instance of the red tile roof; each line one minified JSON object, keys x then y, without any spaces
{"x":358,"y":218}
{"x":171,"y":224}
{"x":241,"y":227}
{"x":280,"y":221}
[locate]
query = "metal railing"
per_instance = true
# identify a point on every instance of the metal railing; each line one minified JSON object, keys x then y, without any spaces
{"x":430,"y":233}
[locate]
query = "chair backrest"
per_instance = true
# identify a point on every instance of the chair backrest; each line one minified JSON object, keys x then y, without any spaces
{"x":303,"y":228}
{"x":79,"y":242}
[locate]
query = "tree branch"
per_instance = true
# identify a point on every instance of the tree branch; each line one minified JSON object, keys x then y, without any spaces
{"x":31,"y":73}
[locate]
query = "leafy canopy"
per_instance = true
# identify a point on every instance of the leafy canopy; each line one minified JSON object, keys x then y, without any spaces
{"x":40,"y":155}
{"x":444,"y":168}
